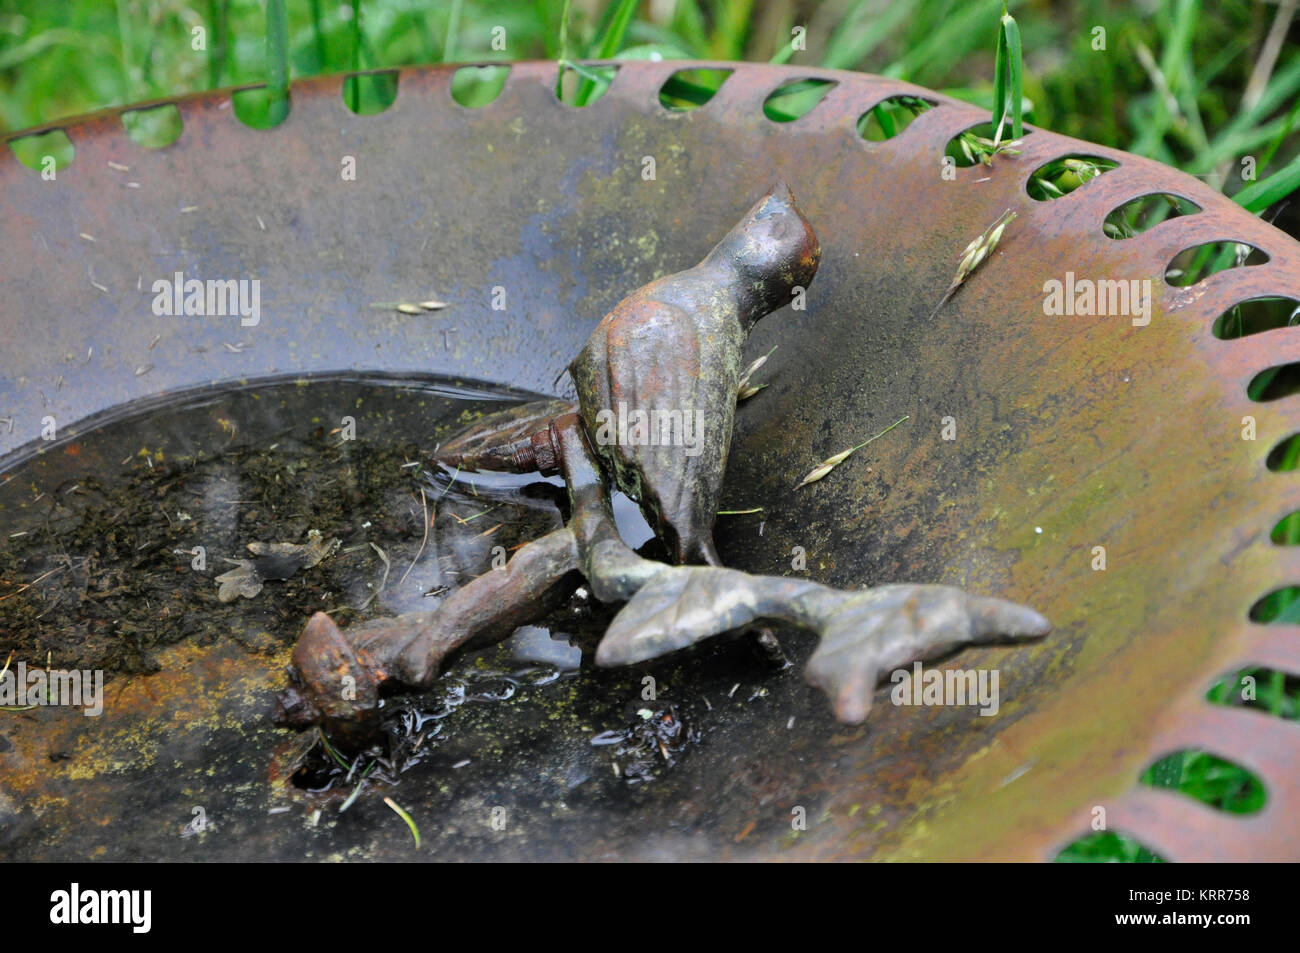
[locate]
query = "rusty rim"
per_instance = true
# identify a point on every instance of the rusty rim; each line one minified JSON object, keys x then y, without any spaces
{"x":1092,"y":430}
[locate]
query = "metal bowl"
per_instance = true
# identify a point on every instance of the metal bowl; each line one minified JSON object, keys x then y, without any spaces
{"x":1072,"y":432}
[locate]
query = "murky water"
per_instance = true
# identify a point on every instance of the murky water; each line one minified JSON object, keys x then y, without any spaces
{"x":123,"y":531}
{"x":115,"y":539}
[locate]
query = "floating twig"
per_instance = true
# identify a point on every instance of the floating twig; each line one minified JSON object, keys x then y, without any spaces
{"x":383,"y":556}
{"x":2,"y":676}
{"x":27,"y":585}
{"x":425,"y":503}
{"x":470,"y":519}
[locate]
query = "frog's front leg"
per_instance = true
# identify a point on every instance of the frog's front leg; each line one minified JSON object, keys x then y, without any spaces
{"x":614,"y":571}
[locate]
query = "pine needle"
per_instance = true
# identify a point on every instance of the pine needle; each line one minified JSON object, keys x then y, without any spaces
{"x":830,"y":463}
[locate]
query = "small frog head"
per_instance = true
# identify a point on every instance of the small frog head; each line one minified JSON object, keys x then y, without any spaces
{"x":772,"y":251}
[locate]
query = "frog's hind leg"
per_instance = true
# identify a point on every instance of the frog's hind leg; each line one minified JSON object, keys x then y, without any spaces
{"x":865,"y":633}
{"x":514,"y":440}
{"x":337,"y":674}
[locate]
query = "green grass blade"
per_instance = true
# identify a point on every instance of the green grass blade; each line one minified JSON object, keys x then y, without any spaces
{"x":616,"y":31}
{"x":852,"y":42}
{"x":1277,"y":696}
{"x":277,"y":60}
{"x":1280,"y":136}
{"x":782,"y":55}
{"x":415,"y":831}
{"x":887,"y":127}
{"x":1177,"y":51}
{"x":1174,"y":56}
{"x":1008,"y":79}
{"x":589,"y":75}
{"x":318,"y":38}
{"x":1000,"y":74}
{"x":1282,"y":89}
{"x":1260,"y":195}
{"x":329,"y":748}
{"x":731,"y":20}
{"x":676,"y":88}
{"x":954,"y":37}
{"x":127,"y":52}
{"x":1289,"y":613}
{"x":453,"y":27}
{"x":618,"y":17}
{"x":688,"y":24}
{"x":564,"y":50}
{"x":217,"y":48}
{"x":1168,"y":772}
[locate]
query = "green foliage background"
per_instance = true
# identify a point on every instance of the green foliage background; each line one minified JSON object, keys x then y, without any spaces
{"x":1174,"y":81}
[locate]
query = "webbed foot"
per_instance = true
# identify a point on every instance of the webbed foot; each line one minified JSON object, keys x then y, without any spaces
{"x":336,"y":674}
{"x":878,"y":630}
{"x":865,"y":633}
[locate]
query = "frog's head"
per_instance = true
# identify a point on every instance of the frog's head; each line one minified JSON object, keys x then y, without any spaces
{"x":772,"y":251}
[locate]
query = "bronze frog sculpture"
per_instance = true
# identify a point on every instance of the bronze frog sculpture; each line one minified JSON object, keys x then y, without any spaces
{"x":674,"y":349}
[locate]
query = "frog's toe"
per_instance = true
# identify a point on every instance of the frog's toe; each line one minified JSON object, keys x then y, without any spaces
{"x":328,"y":681}
{"x":852,"y":697}
{"x":993,"y":618}
{"x":293,"y":708}
{"x":876,"y":631}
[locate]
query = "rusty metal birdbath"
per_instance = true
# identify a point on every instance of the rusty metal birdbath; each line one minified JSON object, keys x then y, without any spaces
{"x":1071,"y":433}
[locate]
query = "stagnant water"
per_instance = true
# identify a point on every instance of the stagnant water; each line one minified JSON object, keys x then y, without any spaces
{"x":114,"y":540}
{"x":122,"y":531}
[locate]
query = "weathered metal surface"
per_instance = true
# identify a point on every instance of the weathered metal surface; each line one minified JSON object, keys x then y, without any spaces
{"x":1072,"y":433}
